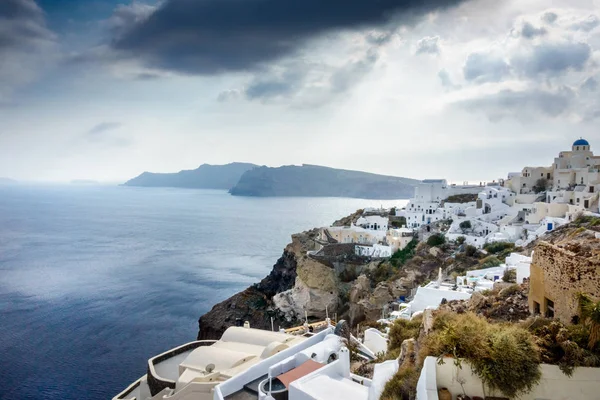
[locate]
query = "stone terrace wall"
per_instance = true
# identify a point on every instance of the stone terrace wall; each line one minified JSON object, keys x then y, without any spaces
{"x":559,"y":275}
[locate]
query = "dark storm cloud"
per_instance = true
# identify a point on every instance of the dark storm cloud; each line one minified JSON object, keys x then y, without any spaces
{"x":104,"y":127}
{"x":22,"y":25}
{"x":529,"y":31}
{"x":428,"y":45}
{"x":525,"y":105}
{"x":20,"y":9}
{"x":552,"y":58}
{"x":485,"y":67}
{"x":214,"y":36}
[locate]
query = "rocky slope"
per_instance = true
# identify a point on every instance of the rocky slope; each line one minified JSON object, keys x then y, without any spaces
{"x":355,"y":289}
{"x":313,"y":180}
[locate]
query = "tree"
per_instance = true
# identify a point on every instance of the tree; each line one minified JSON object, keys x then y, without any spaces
{"x":541,"y":185}
{"x":436,"y":239}
{"x":465,"y":225}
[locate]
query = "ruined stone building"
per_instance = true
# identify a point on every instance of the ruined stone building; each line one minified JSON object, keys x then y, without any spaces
{"x":562,"y":270}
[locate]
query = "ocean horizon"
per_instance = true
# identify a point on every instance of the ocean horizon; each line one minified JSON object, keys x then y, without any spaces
{"x":96,"y":279}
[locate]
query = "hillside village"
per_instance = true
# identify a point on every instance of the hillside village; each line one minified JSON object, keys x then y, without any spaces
{"x":470,"y":292}
{"x":518,"y":209}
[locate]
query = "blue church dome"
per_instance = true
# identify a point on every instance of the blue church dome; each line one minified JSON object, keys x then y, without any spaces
{"x":581,"y":142}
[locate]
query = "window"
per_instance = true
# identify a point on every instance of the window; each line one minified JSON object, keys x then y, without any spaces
{"x":549,"y":308}
{"x":536,"y":308}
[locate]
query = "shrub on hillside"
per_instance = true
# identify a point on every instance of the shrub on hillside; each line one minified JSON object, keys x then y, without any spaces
{"x":490,"y":261}
{"x":401,"y":330}
{"x":470,"y":250}
{"x":402,"y":256}
{"x":563,"y":345}
{"x":510,"y":275}
{"x":497,"y":247}
{"x":436,"y":240}
{"x":492,"y":350}
{"x":460,"y":240}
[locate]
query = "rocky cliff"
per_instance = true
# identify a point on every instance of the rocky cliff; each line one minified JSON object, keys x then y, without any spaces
{"x":354,"y":288}
{"x":313,"y":180}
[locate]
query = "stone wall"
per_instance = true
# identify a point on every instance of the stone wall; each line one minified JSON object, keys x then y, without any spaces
{"x":559,"y":275}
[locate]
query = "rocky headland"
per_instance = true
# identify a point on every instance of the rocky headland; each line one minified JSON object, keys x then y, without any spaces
{"x":334,"y":281}
{"x":204,"y":177}
{"x":318,"y":181}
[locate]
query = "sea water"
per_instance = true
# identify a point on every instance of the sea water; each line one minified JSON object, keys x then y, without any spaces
{"x":94,"y":280}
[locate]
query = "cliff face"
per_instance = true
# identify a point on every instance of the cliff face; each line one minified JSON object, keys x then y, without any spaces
{"x":312,"y":180}
{"x":255,"y":304}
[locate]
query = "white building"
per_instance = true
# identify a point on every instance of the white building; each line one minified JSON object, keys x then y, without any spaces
{"x":424,"y":207}
{"x":553,"y":384}
{"x":573,"y":178}
{"x":399,"y":238}
{"x":373,"y":222}
{"x":375,"y":251}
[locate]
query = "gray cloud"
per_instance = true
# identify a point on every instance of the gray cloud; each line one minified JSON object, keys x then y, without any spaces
{"x":230,"y":95}
{"x":104,"y":127}
{"x":345,"y":77}
{"x":549,"y":17}
{"x":126,"y":16}
{"x":552,"y":58}
{"x":22,"y":26}
{"x":586,"y":24}
{"x":379,"y":38}
{"x":306,"y":84}
{"x":590,"y":84}
{"x":428,"y":45}
{"x":24,"y":42}
{"x":524,"y":105}
{"x":485,"y":67}
{"x":446,"y":80}
{"x":529,"y":31}
{"x":215,"y":36}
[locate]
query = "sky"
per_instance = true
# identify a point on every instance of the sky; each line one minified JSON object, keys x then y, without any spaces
{"x":462,"y":90}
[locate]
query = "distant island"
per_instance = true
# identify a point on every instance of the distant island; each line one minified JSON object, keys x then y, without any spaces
{"x":204,"y":177}
{"x":317,"y":181}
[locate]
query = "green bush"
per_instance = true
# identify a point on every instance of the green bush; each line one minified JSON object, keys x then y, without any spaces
{"x":461,"y":239}
{"x":509,"y":291}
{"x":490,"y":261}
{"x":399,"y":222}
{"x":403,"y":384}
{"x":465,"y":225}
{"x":402,"y":256}
{"x":510,"y":275}
{"x":436,"y":240}
{"x":401,"y":330}
{"x":504,"y":357}
{"x":381,"y":273}
{"x":470,"y":250}
{"x":563,"y":345}
{"x":497,"y":247}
